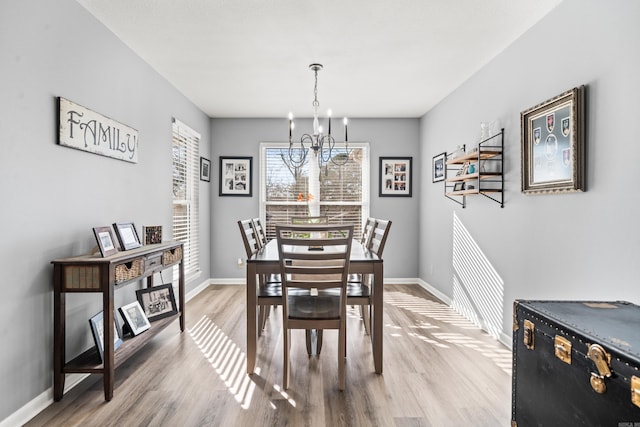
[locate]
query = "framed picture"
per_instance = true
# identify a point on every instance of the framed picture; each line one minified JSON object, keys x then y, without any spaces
{"x":439,"y":168}
{"x":97,"y":329}
{"x":157,"y":302}
{"x":553,"y":146}
{"x":127,"y":235}
{"x":458,"y":186}
{"x":104,"y":237}
{"x":205,"y":169}
{"x":395,"y":177}
{"x":134,"y":318}
{"x":152,"y":234}
{"x":235,"y":176}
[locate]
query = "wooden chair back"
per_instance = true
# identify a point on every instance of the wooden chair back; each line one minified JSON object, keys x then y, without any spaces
{"x":367,"y":230}
{"x":249,"y":238}
{"x":259,"y":231}
{"x":379,"y":236}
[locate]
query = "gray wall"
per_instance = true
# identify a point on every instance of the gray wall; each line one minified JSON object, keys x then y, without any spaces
{"x":53,"y":195}
{"x":575,"y":246}
{"x":387,"y":137}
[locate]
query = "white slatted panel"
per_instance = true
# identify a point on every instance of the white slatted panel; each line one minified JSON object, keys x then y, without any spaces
{"x":186,"y":179}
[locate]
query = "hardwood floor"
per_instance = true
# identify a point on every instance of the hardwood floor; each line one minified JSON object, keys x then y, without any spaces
{"x":439,"y":370}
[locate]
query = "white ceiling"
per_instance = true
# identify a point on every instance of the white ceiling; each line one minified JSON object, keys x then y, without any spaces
{"x":382,"y":58}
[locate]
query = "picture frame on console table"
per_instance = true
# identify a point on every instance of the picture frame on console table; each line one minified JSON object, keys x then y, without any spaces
{"x":395,"y":176}
{"x":134,"y":318}
{"x":97,"y":330}
{"x":127,"y":235}
{"x":157,"y":302}
{"x":553,"y":145}
{"x":152,"y":234}
{"x":104,"y":238}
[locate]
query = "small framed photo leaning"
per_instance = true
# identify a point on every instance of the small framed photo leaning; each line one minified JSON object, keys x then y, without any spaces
{"x":395,"y":177}
{"x":127,"y":235}
{"x":157,"y":302}
{"x":439,"y":167}
{"x":134,"y":318}
{"x":205,"y":169}
{"x":553,"y":146}
{"x":97,"y":329}
{"x":235,"y":176}
{"x":104,"y":237}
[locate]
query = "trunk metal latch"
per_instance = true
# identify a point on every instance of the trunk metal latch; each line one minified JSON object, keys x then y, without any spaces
{"x":562,"y":348}
{"x":602,"y":360}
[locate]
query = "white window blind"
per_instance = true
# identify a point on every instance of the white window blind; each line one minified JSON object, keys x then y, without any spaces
{"x":285,"y":190}
{"x":186,"y":179}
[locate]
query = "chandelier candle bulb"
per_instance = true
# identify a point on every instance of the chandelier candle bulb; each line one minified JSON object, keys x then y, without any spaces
{"x":329,"y":115}
{"x":345,"y":121}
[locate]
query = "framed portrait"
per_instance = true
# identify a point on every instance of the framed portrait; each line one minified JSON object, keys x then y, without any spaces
{"x":127,"y":235}
{"x":395,"y":177}
{"x":235,"y":176}
{"x":134,"y":318}
{"x":97,"y":330}
{"x":439,"y":169}
{"x":157,"y":302}
{"x":553,"y":145}
{"x":152,"y":234}
{"x":205,"y":169}
{"x":104,"y":237}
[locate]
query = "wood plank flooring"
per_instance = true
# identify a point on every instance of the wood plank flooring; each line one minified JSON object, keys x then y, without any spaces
{"x":439,"y":370}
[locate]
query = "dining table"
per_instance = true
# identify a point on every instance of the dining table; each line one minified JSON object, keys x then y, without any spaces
{"x":362,"y":261}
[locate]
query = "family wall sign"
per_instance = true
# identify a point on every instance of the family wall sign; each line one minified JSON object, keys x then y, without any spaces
{"x":86,"y":130}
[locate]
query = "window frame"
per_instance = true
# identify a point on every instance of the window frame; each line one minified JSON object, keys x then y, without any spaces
{"x":365,"y":181}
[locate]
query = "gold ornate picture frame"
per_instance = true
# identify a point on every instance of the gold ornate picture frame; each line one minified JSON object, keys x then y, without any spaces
{"x":553,"y":145}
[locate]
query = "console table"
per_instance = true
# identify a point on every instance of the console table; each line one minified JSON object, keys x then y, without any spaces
{"x":92,"y":273}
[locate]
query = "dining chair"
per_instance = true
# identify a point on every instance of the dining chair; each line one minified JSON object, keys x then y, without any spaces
{"x":314,"y":265}
{"x":359,"y":291}
{"x":269,"y":288}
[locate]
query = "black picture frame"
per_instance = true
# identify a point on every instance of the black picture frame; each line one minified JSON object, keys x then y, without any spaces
{"x":553,"y":145}
{"x":127,"y":235}
{"x":97,"y":330}
{"x":105,"y":240}
{"x":152,"y":234}
{"x":205,"y":169}
{"x":395,"y":177}
{"x":134,"y":318}
{"x":236,"y":176}
{"x":439,"y":167}
{"x":157,"y":302}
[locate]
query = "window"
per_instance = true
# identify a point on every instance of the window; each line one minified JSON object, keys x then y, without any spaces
{"x":186,"y":179}
{"x":287,"y":191}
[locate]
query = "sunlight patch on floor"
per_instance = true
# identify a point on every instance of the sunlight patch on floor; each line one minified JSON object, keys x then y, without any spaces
{"x":226,"y":358}
{"x":428,"y":332}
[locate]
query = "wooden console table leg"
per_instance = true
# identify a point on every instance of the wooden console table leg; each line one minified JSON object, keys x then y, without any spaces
{"x":181,"y":292}
{"x":252,"y":328}
{"x":109,"y":358}
{"x":59,"y":315}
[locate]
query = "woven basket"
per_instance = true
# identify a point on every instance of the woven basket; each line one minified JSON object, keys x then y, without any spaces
{"x":129,"y":270}
{"x":172,"y":256}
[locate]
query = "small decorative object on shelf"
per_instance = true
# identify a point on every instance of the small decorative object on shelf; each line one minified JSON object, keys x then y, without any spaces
{"x":478,"y":171}
{"x":134,"y":318}
{"x":97,"y":329}
{"x":152,"y":234}
{"x":157,"y":302}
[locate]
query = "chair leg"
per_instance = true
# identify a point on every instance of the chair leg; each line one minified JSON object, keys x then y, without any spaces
{"x":342,"y":356}
{"x":262,"y":319}
{"x":286,"y":366}
{"x":308,"y":335}
{"x":366,"y":318}
{"x":318,"y":341}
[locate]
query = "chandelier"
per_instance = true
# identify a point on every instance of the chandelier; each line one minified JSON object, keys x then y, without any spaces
{"x":323,"y":145}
